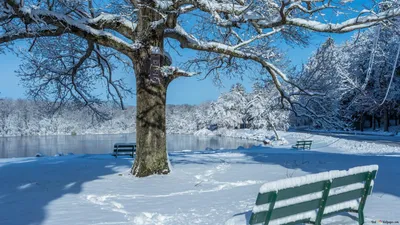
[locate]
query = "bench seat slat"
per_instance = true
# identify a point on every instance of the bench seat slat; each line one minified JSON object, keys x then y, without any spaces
{"x":286,"y":211}
{"x":291,"y":192}
{"x":295,"y":209}
{"x":344,"y":197}
{"x":124,"y":145}
{"x":356,"y":178}
{"x":123,"y":149}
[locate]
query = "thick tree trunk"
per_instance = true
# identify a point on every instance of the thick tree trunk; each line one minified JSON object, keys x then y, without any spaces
{"x":151,"y":155}
{"x":151,"y":86}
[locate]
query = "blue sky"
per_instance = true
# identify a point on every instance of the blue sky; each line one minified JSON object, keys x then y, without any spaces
{"x":182,"y":90}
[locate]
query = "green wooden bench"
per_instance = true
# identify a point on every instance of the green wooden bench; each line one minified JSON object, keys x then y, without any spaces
{"x":303,"y":144}
{"x":309,"y":198}
{"x":124,"y":148}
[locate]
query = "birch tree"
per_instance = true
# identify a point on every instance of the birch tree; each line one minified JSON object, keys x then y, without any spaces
{"x":87,"y":36}
{"x":266,"y":110}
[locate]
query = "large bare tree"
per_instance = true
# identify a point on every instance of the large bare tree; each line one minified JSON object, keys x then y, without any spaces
{"x":72,"y":41}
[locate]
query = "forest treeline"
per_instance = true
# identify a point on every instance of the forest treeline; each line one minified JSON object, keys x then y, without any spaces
{"x":232,"y":110}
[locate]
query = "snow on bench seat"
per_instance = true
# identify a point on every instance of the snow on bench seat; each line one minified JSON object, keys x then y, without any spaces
{"x":313,"y":178}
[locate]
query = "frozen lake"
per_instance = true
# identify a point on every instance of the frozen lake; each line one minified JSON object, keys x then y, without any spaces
{"x":102,"y":144}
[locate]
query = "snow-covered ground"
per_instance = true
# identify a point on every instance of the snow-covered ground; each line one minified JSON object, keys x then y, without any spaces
{"x":205,"y":187}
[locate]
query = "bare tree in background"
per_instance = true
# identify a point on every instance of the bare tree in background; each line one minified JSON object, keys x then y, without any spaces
{"x":74,"y":42}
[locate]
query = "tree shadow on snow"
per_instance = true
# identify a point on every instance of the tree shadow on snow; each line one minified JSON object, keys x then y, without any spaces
{"x":387,"y":181}
{"x":310,"y":161}
{"x":387,"y":140}
{"x":29,"y":185}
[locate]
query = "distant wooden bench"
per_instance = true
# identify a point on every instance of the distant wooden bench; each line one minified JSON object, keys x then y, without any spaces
{"x":303,"y":144}
{"x":309,"y":198}
{"x":124,"y":148}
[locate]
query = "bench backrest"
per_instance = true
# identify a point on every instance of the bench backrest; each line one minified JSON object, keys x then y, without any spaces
{"x":121,"y":146}
{"x":304,"y":142}
{"x":312,"y":196}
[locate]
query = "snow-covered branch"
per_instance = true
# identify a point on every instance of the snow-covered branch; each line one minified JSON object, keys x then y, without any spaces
{"x":260,"y":36}
{"x":113,"y":22}
{"x":23,"y":34}
{"x":170,"y":71}
{"x":189,"y":41}
{"x":88,"y":28}
{"x":346,"y":26}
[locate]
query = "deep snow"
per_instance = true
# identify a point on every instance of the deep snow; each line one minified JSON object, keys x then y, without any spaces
{"x":204,"y":187}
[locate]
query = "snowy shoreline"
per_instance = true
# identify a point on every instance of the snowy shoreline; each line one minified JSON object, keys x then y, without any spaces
{"x":252,"y":134}
{"x":321,"y":142}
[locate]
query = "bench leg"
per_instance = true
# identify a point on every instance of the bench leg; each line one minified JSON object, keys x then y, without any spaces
{"x":322,"y":204}
{"x":271,"y":206}
{"x":367,"y":188}
{"x":361,"y":217}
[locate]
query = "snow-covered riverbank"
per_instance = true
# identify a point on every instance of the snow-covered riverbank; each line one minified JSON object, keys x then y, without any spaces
{"x":205,"y":187}
{"x":320,"y":142}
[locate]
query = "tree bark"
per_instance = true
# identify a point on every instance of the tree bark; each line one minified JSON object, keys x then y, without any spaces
{"x":151,"y":155}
